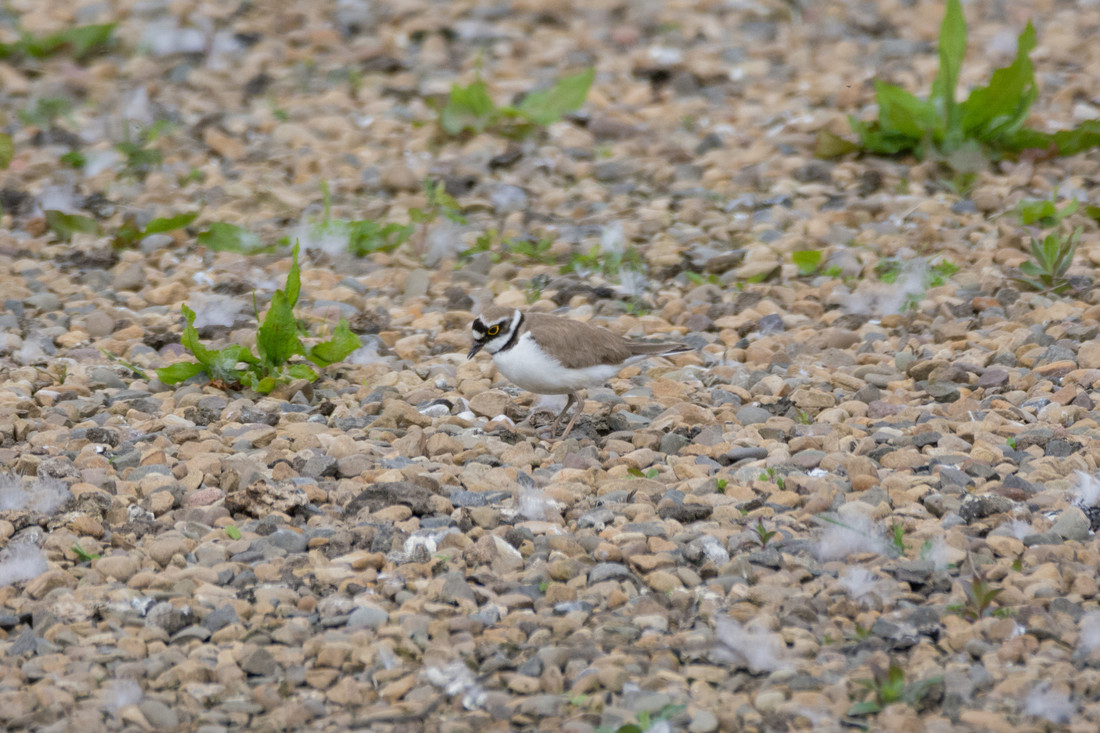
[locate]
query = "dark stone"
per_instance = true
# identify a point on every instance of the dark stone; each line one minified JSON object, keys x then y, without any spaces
{"x":220,"y":617}
{"x":685,"y":513}
{"x":984,"y":505}
{"x":1058,"y":448}
{"x":609,"y":571}
{"x":385,"y":494}
{"x":260,"y":663}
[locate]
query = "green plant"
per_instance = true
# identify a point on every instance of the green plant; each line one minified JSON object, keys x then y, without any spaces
{"x":979,"y":593}
{"x":46,"y":111}
{"x":990,"y":120}
{"x":770,"y":474}
{"x":82,"y":41}
{"x":763,"y":534}
{"x":141,"y":157}
{"x":223,"y":237}
{"x":720,"y":485}
{"x":699,"y":279}
{"x":1050,"y":261}
{"x":232,"y":532}
{"x":887,"y":686}
{"x":538,"y":250}
{"x":897,"y":537}
{"x":807,"y":260}
{"x":82,"y":554}
{"x":470,"y":109}
{"x":7,"y":150}
{"x":1011,"y":443}
{"x":134,"y":368}
{"x":278,"y":339}
{"x":1045,"y":213}
{"x":64,"y":226}
{"x":364,"y":236}
{"x":532,"y":292}
{"x":637,"y":473}
{"x":129,"y":234}
{"x":645,"y":720}
{"x":804,"y":417}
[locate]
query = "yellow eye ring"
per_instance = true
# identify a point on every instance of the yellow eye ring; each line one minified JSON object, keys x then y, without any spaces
{"x":493,"y":330}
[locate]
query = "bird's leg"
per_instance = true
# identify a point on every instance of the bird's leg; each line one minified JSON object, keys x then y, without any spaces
{"x":580,"y":409}
{"x":557,"y":420}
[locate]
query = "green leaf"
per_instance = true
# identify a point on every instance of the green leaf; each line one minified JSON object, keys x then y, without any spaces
{"x":64,"y":226}
{"x":901,"y":113}
{"x":293,"y":279}
{"x":566,"y":96}
{"x":342,"y":343}
{"x":301,"y":371}
{"x":265,"y":385}
{"x":1081,"y":138}
{"x":179,"y":221}
{"x":232,"y":532}
{"x":469,"y":109}
{"x":366,"y":236}
{"x":952,"y":49}
{"x":635,"y":472}
{"x":81,"y":553}
{"x":995,"y":113}
{"x":808,"y":260}
{"x":867,"y":707}
{"x":86,"y":39}
{"x":277,"y":338}
{"x":1093,"y":212}
{"x":74,"y":159}
{"x":179,"y":372}
{"x":831,"y":146}
{"x":222,"y":237}
{"x":7,"y":151}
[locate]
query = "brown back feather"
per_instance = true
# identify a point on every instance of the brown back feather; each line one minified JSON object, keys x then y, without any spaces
{"x":587,"y":345}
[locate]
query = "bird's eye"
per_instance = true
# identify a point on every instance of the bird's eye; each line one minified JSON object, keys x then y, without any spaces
{"x":493,"y":330}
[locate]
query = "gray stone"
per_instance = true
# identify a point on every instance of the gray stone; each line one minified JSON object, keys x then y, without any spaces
{"x":260,"y":663}
{"x":455,"y":588}
{"x":1072,"y":525}
{"x":220,"y":617}
{"x":671,"y":443}
{"x":159,"y":715}
{"x":368,"y":616}
{"x":608,"y":571}
{"x":752,"y":415}
{"x":288,"y":540}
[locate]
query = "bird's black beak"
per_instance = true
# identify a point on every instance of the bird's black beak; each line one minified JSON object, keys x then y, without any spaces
{"x":477,"y":348}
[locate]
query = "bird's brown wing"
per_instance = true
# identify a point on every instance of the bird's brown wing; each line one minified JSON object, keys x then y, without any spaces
{"x":577,"y":344}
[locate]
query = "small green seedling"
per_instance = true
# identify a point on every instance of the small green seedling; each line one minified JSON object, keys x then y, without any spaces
{"x":532,"y":292}
{"x":134,"y":368}
{"x":720,"y":485}
{"x":543,"y":586}
{"x":637,"y":473}
{"x":364,"y":236}
{"x":1044,"y":213}
{"x":130,"y":234}
{"x":807,"y":260}
{"x":82,"y":554}
{"x":141,"y":157}
{"x":763,"y":534}
{"x":980,"y":594}
{"x":1011,"y":443}
{"x":278,"y":340}
{"x":470,"y":109}
{"x":46,"y":111}
{"x":991,"y":119}
{"x":699,"y":279}
{"x":887,"y":686}
{"x":770,"y":474}
{"x":232,"y":532}
{"x":7,"y":150}
{"x":897,"y":533}
{"x":1050,"y":261}
{"x":538,"y":251}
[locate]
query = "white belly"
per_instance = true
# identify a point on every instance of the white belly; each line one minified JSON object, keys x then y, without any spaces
{"x":529,"y":367}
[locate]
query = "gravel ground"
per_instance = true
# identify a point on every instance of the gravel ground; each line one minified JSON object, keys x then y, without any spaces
{"x":391,"y":547}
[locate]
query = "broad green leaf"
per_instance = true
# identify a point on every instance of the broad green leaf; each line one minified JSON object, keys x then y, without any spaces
{"x":902,"y":113}
{"x":179,"y":372}
{"x":222,"y":237}
{"x":277,"y":339}
{"x":223,"y":362}
{"x":265,"y":385}
{"x":1093,"y":212}
{"x":7,"y":150}
{"x":342,"y":343}
{"x":808,"y":260}
{"x":469,"y":109}
{"x":998,"y":111}
{"x":232,"y":532}
{"x":1081,"y":138}
{"x":190,"y":337}
{"x":88,"y":38}
{"x":179,"y":221}
{"x":64,"y":226}
{"x":566,"y":96}
{"x":293,"y":279}
{"x":832,"y":146}
{"x":867,"y":707}
{"x":301,"y":371}
{"x":952,"y":49}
